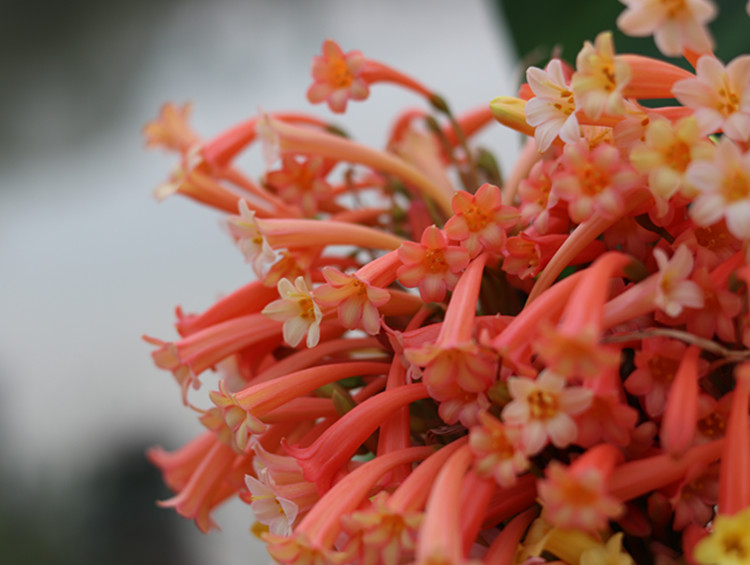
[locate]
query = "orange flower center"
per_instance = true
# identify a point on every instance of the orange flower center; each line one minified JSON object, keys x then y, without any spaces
{"x":736,"y":186}
{"x":339,"y":74}
{"x":359,"y":287}
{"x":662,"y":368}
{"x":567,"y":106}
{"x":710,"y":237}
{"x":306,"y":308}
{"x":578,"y":493}
{"x":729,"y":101}
{"x":608,"y":72}
{"x":476,"y":219}
{"x":542,"y":405}
{"x":674,"y":7}
{"x":593,"y":181}
{"x":712,"y":425}
{"x":501,"y":446}
{"x":678,"y":156}
{"x":435,"y":260}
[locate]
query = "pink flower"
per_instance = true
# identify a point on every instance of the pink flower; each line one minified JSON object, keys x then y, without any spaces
{"x":593,"y":181}
{"x":534,"y":192}
{"x":542,"y":408}
{"x":695,"y":496}
{"x":676,"y":26}
{"x":497,"y":450}
{"x":271,"y":510}
{"x":720,"y":96}
{"x":432,"y":264}
{"x":381,"y":534}
{"x":656,"y":366}
{"x":609,"y":418}
{"x":250,"y":240}
{"x":552,"y":110}
{"x":480,"y":220}
{"x":298,"y":310}
{"x":454,"y":363}
{"x":337,"y":77}
{"x":674,"y":290}
{"x":576,"y":496}
{"x":665,"y":154}
{"x":301,"y":182}
{"x":600,"y":78}
{"x":724,"y":189}
{"x":171,"y":130}
{"x":357,"y":301}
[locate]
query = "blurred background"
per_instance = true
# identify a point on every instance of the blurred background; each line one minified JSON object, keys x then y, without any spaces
{"x":89,"y":261}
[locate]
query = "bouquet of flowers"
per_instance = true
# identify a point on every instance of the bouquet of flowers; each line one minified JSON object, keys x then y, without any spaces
{"x":438,"y":364}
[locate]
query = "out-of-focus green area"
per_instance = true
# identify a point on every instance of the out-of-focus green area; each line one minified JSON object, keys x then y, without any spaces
{"x":540,"y":27}
{"x":107,"y":515}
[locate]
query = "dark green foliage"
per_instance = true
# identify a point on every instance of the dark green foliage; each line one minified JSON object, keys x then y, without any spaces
{"x":538,"y":27}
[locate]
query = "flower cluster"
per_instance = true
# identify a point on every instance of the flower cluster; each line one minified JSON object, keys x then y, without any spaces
{"x":436,"y":364}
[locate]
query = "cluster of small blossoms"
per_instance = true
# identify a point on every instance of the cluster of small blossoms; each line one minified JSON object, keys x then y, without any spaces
{"x":436,"y":364}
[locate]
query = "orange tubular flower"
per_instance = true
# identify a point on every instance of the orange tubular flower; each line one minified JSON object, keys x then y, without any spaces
{"x":306,"y":233}
{"x":177,"y":467}
{"x":395,"y":432}
{"x":249,"y":299}
{"x":634,"y":478}
{"x":515,"y":342}
{"x":190,"y":356}
{"x":681,"y":411}
{"x":387,"y":531}
{"x":570,"y":340}
{"x":202,"y":492}
{"x":651,"y":78}
{"x":339,"y":77}
{"x":439,"y":536}
{"x":504,"y":547}
{"x":313,"y":539}
{"x":454,"y":363}
{"x":282,"y":138}
{"x":196,"y":182}
{"x":476,"y":493}
{"x":582,"y":236}
{"x":574,"y":348}
{"x":734,"y":474}
{"x":321,"y":460}
{"x":243,"y":411}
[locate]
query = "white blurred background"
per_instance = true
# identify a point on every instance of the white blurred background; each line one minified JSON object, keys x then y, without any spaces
{"x":89,"y":261}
